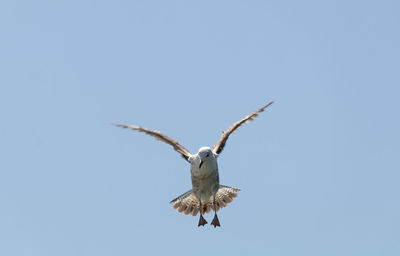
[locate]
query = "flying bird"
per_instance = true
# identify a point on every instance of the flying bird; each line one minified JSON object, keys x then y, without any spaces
{"x":206,"y":192}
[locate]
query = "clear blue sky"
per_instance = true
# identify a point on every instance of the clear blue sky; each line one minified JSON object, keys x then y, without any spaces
{"x":319,"y":170}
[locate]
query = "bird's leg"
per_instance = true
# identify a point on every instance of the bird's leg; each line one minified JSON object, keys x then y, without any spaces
{"x":215,"y":221}
{"x":202,"y":221}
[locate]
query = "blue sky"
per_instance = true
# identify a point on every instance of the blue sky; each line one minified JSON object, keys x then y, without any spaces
{"x":319,"y":170}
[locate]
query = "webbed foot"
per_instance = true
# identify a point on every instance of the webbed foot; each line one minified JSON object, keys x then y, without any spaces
{"x":215,"y":221}
{"x":202,"y":221}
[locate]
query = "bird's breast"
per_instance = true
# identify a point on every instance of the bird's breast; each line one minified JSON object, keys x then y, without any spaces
{"x":207,"y":168}
{"x":205,"y":180}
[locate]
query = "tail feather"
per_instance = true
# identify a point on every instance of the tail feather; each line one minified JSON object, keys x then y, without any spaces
{"x":187,"y":203}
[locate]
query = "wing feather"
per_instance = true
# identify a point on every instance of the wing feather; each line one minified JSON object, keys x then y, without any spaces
{"x":160,"y":137}
{"x":219,"y":146}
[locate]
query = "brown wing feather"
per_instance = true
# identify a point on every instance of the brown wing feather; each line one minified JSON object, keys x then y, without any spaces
{"x":161,"y":137}
{"x":219,"y":146}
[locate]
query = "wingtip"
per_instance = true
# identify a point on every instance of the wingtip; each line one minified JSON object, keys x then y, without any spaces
{"x":122,"y":125}
{"x":270,"y":103}
{"x":117,"y":125}
{"x":266,"y":106}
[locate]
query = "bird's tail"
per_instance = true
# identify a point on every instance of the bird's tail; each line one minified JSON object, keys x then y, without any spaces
{"x":187,"y":203}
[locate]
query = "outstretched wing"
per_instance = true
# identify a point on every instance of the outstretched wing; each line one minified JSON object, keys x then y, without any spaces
{"x":161,"y":137}
{"x":219,"y":146}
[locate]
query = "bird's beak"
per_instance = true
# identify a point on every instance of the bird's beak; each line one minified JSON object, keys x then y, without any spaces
{"x":201,"y":163}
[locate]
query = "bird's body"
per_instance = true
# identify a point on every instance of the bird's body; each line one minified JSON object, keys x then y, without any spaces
{"x":205,"y":180}
{"x":206,"y":192}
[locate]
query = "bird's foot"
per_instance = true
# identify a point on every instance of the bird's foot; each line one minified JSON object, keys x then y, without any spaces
{"x":202,"y":221}
{"x":215,"y":221}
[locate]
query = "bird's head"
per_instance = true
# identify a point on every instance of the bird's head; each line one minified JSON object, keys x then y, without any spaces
{"x":205,"y":154}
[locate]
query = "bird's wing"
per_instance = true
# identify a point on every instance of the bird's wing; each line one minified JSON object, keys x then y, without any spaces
{"x":161,"y":137}
{"x":219,"y":146}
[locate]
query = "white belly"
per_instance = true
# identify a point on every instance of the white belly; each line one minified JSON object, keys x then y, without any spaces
{"x":205,"y":180}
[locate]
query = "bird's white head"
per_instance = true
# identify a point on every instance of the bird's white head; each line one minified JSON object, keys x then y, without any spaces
{"x":205,"y":154}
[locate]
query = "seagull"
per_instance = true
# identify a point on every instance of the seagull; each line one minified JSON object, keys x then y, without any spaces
{"x":206,"y":192}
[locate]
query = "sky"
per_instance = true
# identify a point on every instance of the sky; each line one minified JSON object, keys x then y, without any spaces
{"x":318,"y":170}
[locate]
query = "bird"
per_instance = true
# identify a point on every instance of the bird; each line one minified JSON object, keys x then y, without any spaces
{"x":206,"y":193}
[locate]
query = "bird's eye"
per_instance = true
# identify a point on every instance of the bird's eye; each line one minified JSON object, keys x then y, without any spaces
{"x":207,"y":154}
